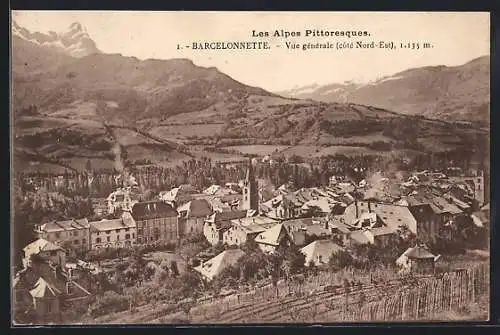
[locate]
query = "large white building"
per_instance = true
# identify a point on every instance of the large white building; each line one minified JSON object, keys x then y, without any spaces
{"x":116,"y":233}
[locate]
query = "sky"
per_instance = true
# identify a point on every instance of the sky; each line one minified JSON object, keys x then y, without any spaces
{"x":457,"y":37}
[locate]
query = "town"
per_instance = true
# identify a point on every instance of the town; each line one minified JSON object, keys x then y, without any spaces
{"x":187,"y":246}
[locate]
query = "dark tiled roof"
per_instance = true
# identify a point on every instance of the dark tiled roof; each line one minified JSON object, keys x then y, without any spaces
{"x":152,"y":210}
{"x":197,"y":208}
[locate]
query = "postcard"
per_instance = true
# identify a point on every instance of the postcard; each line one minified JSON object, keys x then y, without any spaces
{"x":249,"y":167}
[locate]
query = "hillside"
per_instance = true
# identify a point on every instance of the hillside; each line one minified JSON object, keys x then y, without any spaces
{"x":448,"y":93}
{"x":68,"y":109}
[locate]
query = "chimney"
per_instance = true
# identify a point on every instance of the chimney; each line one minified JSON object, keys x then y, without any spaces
{"x":357,"y":209}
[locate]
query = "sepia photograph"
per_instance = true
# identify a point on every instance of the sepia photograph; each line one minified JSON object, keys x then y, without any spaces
{"x":184,"y":167}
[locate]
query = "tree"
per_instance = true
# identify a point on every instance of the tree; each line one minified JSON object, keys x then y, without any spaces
{"x":293,"y":260}
{"x":174,"y":268}
{"x":340,"y":259}
{"x":190,"y":284}
{"x":88,"y":165}
{"x":347,"y":291}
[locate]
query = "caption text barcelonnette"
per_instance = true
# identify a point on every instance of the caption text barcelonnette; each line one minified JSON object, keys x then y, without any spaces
{"x":230,"y":45}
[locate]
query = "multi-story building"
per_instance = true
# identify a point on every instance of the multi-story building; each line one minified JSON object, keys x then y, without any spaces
{"x":116,"y":233}
{"x":192,"y":216}
{"x":245,"y":229}
{"x":217,"y":223}
{"x":121,"y":199}
{"x":44,"y":250}
{"x":71,"y":234}
{"x":476,"y":182}
{"x":157,"y":223}
{"x":273,"y":238}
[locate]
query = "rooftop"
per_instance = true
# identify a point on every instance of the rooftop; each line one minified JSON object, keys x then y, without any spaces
{"x":152,"y":210}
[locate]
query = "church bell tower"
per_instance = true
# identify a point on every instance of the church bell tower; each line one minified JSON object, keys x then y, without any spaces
{"x":250,"y":190}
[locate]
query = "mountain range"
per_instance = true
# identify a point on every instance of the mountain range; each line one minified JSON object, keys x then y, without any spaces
{"x":459,"y":93}
{"x":72,"y":103}
{"x":75,"y":41}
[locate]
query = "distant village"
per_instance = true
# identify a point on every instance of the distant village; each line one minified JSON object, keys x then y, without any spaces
{"x":320,"y":221}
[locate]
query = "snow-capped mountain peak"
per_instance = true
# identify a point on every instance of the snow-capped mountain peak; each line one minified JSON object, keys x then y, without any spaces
{"x":75,"y":41}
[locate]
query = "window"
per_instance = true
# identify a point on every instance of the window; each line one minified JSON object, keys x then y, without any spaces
{"x":76,"y":241}
{"x":127,"y":229}
{"x":108,"y":238}
{"x":127,"y":236}
{"x":75,"y":233}
{"x":58,"y":235}
{"x":108,"y":232}
{"x":98,"y":233}
{"x":117,"y":237}
{"x":84,"y":241}
{"x":49,"y":306}
{"x":98,"y":240}
{"x":118,"y":231}
{"x":133,"y":235}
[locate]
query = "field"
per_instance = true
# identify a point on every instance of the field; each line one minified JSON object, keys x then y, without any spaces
{"x":257,"y":149}
{"x":321,"y":298}
{"x":176,"y":132}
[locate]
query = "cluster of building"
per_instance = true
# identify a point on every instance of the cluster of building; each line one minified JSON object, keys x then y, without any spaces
{"x":232,"y":214}
{"x":353,"y":213}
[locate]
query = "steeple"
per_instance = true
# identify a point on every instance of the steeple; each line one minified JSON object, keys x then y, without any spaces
{"x":250,"y":174}
{"x":250,"y":190}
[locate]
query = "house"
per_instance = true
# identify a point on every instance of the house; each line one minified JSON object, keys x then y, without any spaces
{"x":100,"y":206}
{"x":417,"y":259}
{"x":299,"y":229}
{"x":427,"y":222}
{"x":44,"y":250}
{"x":122,"y":199}
{"x":481,"y":218}
{"x":44,"y":291}
{"x":115,"y":233}
{"x":476,"y":180}
{"x":245,"y":229}
{"x":192,"y":216}
{"x":213,"y":267}
{"x":156,"y":221}
{"x":220,"y":206}
{"x":369,"y":214}
{"x":71,"y":234}
{"x":179,"y":195}
{"x":218,"y":190}
{"x":340,"y":231}
{"x":217,"y":223}
{"x":320,"y":251}
{"x":273,"y":238}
